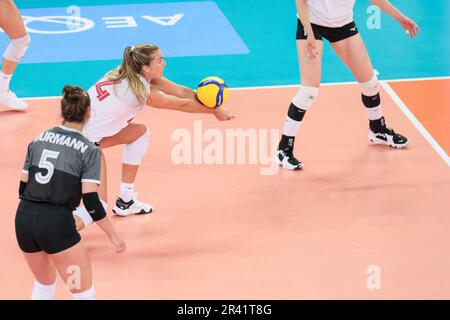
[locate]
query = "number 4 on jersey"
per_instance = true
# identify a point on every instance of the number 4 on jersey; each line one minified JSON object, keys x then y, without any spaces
{"x":102,"y":93}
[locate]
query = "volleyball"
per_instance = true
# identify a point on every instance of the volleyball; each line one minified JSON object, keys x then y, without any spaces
{"x":212,"y":92}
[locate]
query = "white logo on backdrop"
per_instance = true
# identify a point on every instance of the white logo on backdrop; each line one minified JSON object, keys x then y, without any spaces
{"x":73,"y":23}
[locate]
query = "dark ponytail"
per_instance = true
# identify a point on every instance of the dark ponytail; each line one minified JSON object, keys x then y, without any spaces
{"x":74,"y":104}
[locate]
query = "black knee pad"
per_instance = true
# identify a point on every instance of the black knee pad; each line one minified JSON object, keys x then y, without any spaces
{"x":295,"y":113}
{"x":371,"y":102}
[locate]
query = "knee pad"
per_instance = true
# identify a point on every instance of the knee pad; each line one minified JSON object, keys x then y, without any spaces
{"x":371,"y":87}
{"x":17,"y":48}
{"x":305,"y":97}
{"x":295,"y":113}
{"x":134,"y":152}
{"x":89,"y":294}
{"x":370,"y":95}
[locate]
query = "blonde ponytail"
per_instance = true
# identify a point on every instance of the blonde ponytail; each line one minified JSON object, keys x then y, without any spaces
{"x":134,"y":58}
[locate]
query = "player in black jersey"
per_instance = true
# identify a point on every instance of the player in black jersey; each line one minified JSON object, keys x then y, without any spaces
{"x":61,"y":168}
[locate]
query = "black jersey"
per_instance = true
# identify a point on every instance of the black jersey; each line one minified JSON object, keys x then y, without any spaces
{"x":57,"y":162}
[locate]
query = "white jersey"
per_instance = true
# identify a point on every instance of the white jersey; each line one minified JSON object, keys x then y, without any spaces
{"x":113,"y":104}
{"x":330,"y":13}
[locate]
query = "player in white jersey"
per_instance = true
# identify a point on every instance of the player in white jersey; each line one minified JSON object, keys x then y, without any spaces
{"x":333,"y":20}
{"x":331,"y":13}
{"x":116,"y":99}
{"x":11,"y":22}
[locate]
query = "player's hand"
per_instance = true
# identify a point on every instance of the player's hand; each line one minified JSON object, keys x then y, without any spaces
{"x":223,"y":114}
{"x":118,"y":243}
{"x":411,"y":28}
{"x":311,"y":48}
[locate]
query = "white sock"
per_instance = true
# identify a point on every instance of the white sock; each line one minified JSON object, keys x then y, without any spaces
{"x":5,"y":79}
{"x":374,"y":113}
{"x":126,"y":191}
{"x":89,"y":294}
{"x":42,"y":291}
{"x":291,"y":127}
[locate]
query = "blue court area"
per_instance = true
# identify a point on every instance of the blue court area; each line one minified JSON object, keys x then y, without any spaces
{"x":102,"y":32}
{"x":246,"y":42}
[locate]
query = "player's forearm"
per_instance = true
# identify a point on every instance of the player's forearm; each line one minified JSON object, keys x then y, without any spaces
{"x":193,"y":106}
{"x":388,"y":8}
{"x":182,"y":92}
{"x":172,"y":88}
{"x":187,"y":93}
{"x":302,"y":11}
{"x":106,"y":226}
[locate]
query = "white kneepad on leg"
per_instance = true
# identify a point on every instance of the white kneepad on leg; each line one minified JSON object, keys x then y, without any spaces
{"x":305,"y":97}
{"x":84,"y":215}
{"x":134,"y":152}
{"x":17,"y":48}
{"x":370,"y":94}
{"x":89,"y":294}
{"x":371,"y":87}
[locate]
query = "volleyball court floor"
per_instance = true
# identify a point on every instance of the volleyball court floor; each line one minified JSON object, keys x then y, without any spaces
{"x":360,"y":221}
{"x":228,"y":231}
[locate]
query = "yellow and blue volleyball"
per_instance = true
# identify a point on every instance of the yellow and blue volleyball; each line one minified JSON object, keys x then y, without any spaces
{"x":212,"y":92}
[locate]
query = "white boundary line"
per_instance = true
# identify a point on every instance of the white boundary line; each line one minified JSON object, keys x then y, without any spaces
{"x":41,"y":98}
{"x":415,"y":122}
{"x":341,"y":83}
{"x":418,"y":79}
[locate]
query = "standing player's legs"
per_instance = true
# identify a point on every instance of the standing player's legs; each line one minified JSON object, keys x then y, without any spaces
{"x":353,"y":53}
{"x":135,"y":137}
{"x":74,"y":267}
{"x":310,"y":73}
{"x":11,"y":22}
{"x":45,"y":274}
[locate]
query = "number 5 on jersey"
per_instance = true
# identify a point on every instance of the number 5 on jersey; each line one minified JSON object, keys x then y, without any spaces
{"x":44,"y":163}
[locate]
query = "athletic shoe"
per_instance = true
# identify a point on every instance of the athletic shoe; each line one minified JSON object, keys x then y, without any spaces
{"x":134,"y":206}
{"x":286,"y":159}
{"x":9,"y":99}
{"x":380,"y":134}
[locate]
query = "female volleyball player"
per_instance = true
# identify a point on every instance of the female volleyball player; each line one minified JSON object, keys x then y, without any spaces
{"x":333,"y":20}
{"x":116,"y":99}
{"x":11,"y":22}
{"x":61,"y":167}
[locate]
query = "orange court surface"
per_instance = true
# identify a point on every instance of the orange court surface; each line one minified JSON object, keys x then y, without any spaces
{"x":228,"y":231}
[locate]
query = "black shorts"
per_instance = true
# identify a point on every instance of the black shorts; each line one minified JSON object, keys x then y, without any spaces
{"x":43,"y":226}
{"x":331,"y":34}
